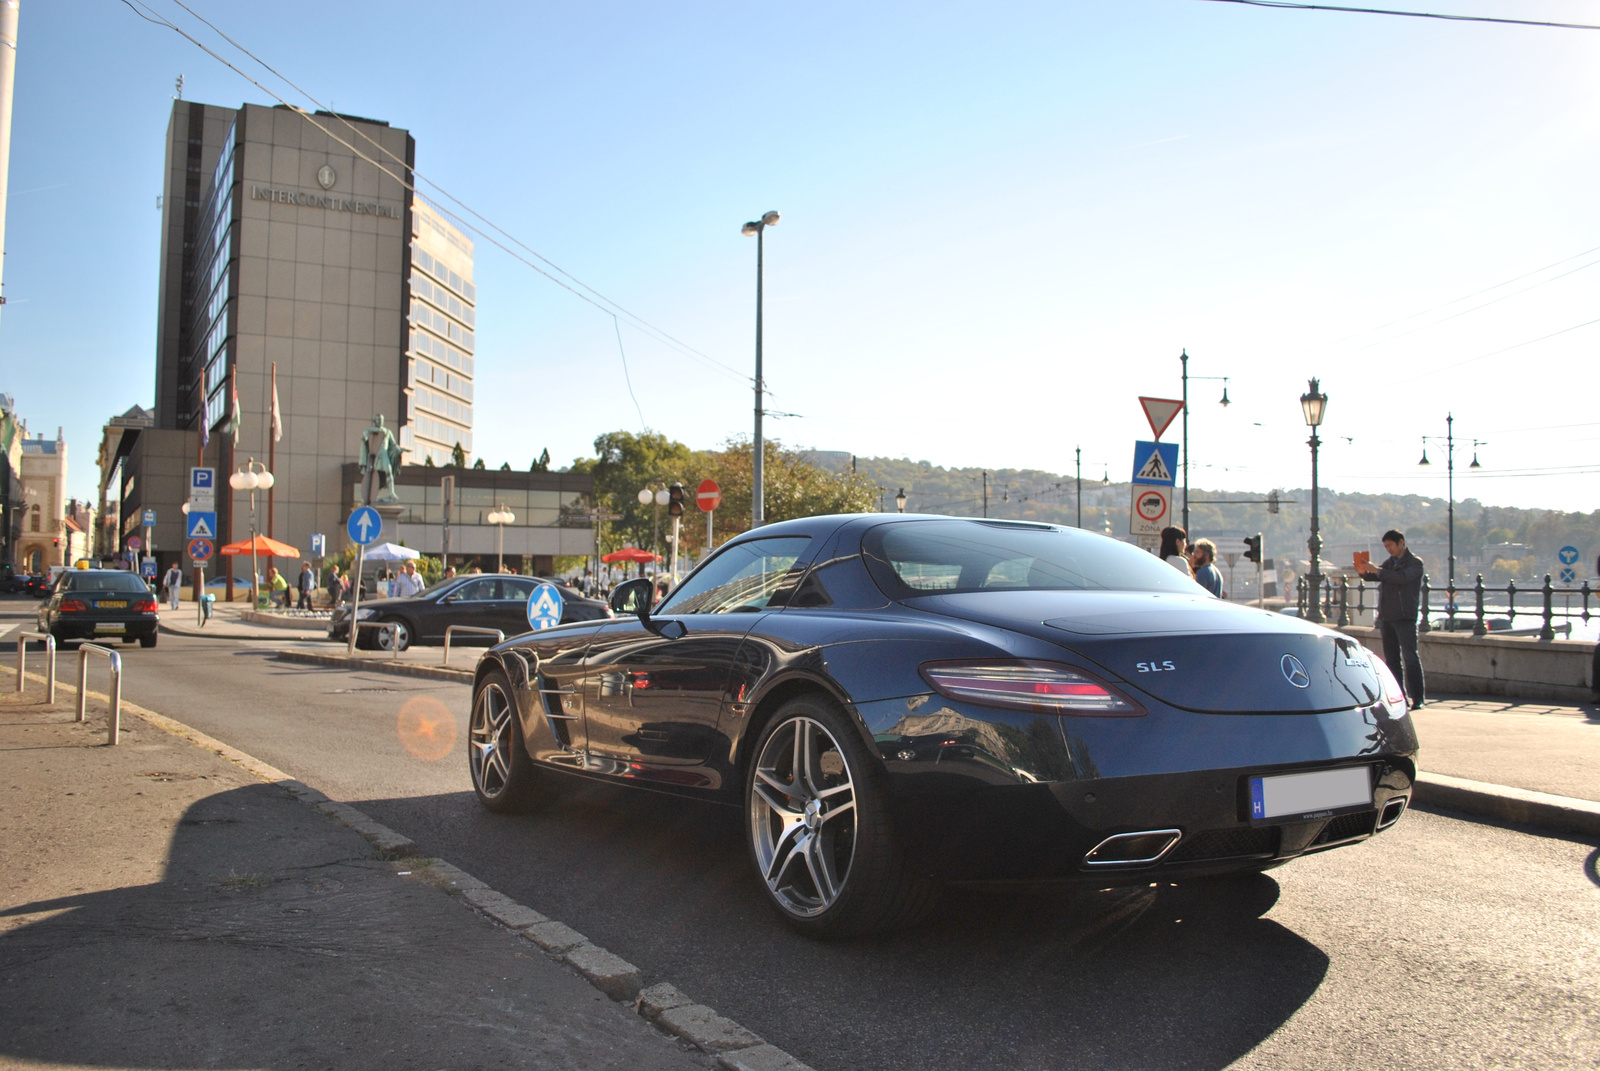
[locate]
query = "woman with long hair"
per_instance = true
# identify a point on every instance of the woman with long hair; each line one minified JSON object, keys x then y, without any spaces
{"x":1175,"y":549}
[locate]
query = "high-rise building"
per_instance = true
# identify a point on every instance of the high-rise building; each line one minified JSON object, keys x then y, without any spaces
{"x":294,"y":251}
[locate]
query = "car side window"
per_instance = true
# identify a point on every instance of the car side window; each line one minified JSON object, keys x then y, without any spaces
{"x":519,"y":590}
{"x":740,"y":579}
{"x":478,"y":590}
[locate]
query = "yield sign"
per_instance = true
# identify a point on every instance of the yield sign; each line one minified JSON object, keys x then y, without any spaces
{"x":1160,"y":412}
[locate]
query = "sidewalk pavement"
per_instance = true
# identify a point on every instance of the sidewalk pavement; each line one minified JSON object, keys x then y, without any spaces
{"x":162,"y":907}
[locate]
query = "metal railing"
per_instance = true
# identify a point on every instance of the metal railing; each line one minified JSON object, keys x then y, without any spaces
{"x":49,"y":660}
{"x":391,"y":627}
{"x":114,"y":726}
{"x":1341,"y":599}
{"x":499,"y":636}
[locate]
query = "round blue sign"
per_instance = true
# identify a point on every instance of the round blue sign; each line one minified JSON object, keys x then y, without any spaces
{"x":364,"y":526}
{"x":544,"y":607}
{"x":1568,"y":555}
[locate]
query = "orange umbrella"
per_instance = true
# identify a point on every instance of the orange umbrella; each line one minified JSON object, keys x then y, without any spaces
{"x":261,"y":547}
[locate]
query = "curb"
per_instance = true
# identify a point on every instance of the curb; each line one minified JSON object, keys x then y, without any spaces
{"x":1558,"y":814}
{"x":662,"y":1004}
{"x":403,"y":669}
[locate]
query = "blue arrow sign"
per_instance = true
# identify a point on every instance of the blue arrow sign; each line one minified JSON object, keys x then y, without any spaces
{"x":1155,"y":463}
{"x":201,"y":525}
{"x":1568,"y":555}
{"x":544,"y":607}
{"x":364,"y":526}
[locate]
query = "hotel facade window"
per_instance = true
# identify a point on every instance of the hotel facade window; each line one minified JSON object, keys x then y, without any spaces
{"x":442,"y":315}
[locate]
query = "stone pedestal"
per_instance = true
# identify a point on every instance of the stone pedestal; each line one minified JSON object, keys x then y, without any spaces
{"x":391,"y":522}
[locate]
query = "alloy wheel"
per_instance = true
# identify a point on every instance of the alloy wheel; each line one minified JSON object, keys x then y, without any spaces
{"x":803,"y":816}
{"x":401,"y":637}
{"x":489,"y":741}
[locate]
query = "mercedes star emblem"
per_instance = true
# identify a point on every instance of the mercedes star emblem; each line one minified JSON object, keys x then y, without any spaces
{"x":1295,"y":672}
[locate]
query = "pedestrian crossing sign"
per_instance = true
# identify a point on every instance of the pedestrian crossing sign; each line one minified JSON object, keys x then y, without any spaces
{"x":1154,"y":463}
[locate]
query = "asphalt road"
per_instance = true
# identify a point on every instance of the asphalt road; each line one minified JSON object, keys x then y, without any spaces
{"x":1441,"y":944}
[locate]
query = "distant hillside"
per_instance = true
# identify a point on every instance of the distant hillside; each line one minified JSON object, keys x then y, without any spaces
{"x":1348,"y":521}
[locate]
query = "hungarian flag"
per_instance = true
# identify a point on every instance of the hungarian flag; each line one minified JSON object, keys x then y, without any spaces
{"x":277,"y":416}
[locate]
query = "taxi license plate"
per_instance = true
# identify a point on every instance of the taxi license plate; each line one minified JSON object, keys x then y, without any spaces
{"x":103,"y":627}
{"x":1319,"y":794}
{"x":112,"y":604}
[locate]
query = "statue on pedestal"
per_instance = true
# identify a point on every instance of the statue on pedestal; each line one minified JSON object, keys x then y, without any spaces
{"x":379,"y":456}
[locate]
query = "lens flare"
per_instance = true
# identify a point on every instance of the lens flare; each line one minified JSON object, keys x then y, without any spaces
{"x":427,"y":728}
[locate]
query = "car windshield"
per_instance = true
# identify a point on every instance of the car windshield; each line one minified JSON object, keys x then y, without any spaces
{"x":103,"y":582}
{"x":912,"y":558}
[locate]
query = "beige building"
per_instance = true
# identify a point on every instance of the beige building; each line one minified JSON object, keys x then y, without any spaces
{"x":42,"y":541}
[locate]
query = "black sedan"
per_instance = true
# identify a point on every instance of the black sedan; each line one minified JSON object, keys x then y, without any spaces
{"x":486,"y":600}
{"x":899,"y":703}
{"x":100,"y":604}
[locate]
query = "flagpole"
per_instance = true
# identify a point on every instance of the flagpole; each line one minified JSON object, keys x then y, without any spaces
{"x":272,"y":444}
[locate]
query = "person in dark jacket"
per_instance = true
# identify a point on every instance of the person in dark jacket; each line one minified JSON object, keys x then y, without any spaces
{"x":1399,"y":597}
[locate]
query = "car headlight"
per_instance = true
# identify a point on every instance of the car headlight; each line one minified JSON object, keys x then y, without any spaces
{"x":1040,"y":687}
{"x":362,"y":615}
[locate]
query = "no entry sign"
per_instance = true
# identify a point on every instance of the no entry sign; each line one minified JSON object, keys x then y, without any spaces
{"x":709,"y":496}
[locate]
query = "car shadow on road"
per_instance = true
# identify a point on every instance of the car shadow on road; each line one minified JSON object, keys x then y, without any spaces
{"x":1000,"y":977}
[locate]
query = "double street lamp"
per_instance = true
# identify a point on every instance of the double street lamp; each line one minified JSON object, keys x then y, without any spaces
{"x":252,"y":476}
{"x":500,"y":517}
{"x":1314,"y":403}
{"x":1184,"y":358}
{"x":1450,"y":478}
{"x":757,"y":501}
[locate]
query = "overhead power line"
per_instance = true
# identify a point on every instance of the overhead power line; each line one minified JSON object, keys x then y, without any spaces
{"x":1409,"y":14}
{"x":614,"y":309}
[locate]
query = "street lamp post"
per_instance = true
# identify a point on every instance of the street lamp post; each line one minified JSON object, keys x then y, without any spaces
{"x":1314,"y":403}
{"x":757,"y":487}
{"x":500,"y":517}
{"x":1450,"y":480}
{"x":1184,"y":358}
{"x":900,"y":501}
{"x":248,"y":478}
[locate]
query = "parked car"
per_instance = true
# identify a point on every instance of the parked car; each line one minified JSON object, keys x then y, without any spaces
{"x":898,"y":703}
{"x":91,"y":604}
{"x":486,"y":600}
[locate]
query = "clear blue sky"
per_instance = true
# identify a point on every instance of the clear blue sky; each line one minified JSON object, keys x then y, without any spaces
{"x":1001,"y":222}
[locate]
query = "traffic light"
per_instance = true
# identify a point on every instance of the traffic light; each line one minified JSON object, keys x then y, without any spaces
{"x":1272,"y":502}
{"x":675,"y":500}
{"x":1252,"y":549}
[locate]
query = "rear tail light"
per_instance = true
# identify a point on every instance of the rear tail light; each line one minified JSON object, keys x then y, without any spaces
{"x":1393,"y":694}
{"x":148,"y":606}
{"x":1040,"y":687}
{"x":74,"y":606}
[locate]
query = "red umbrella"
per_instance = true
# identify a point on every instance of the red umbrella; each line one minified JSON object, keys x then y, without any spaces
{"x":630,"y":554}
{"x":263,"y":547}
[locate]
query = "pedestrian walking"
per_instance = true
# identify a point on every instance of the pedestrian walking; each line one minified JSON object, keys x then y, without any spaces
{"x":1203,"y":560}
{"x":1175,"y":549}
{"x":408,"y":583}
{"x":1399,"y":598}
{"x":336,"y":586}
{"x":173,"y":581}
{"x":306,"y":584}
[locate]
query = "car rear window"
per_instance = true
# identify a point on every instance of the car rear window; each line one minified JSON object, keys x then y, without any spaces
{"x":103,"y":582}
{"x":912,"y":558}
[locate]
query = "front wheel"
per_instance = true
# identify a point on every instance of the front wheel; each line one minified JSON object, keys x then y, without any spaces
{"x":817,"y":816}
{"x":396,"y":640}
{"x":503,"y":775}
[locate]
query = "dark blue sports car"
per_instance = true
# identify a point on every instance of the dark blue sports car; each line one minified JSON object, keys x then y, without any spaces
{"x":896,"y":702}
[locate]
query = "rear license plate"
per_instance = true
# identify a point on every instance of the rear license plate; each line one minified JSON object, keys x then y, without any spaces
{"x":110,"y":627}
{"x":112,"y":604}
{"x":1310,"y":795}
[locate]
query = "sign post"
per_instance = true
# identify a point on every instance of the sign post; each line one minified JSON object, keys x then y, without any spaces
{"x":709,"y":497}
{"x":1568,"y":573}
{"x":364,"y":527}
{"x":200,"y":551}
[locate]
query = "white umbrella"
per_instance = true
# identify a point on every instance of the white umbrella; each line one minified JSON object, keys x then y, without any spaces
{"x":389,"y":552}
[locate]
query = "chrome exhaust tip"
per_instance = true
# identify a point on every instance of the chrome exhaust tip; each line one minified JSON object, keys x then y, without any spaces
{"x":1144,"y":848}
{"x":1392,"y":811}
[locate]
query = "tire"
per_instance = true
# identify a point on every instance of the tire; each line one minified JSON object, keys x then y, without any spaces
{"x":503,"y":774}
{"x":147,"y":641}
{"x":818,"y":826}
{"x":402,"y":634}
{"x":129,"y":639}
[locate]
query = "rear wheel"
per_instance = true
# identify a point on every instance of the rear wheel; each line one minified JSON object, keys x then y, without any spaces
{"x":147,"y":641}
{"x":503,"y":774}
{"x":817,"y":817}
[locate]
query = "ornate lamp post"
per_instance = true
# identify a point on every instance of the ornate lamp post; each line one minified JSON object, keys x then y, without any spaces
{"x":500,"y":517}
{"x":252,"y":476}
{"x":757,"y":488}
{"x":900,"y":500}
{"x":1314,"y":403}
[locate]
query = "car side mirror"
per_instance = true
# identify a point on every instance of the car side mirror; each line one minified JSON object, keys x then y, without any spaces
{"x":633,"y":597}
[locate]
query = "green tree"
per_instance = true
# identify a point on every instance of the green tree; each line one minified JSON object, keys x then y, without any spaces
{"x":624,"y":464}
{"x":478,"y":465}
{"x":505,"y":466}
{"x":458,"y":457}
{"x":542,"y":462}
{"x":795,"y":487}
{"x":427,"y":462}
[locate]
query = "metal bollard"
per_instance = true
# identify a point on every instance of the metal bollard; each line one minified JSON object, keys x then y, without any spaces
{"x":499,"y":636}
{"x":50,"y":662}
{"x":1427,"y":623}
{"x":1548,"y":632}
{"x":114,"y":718}
{"x":1480,"y":627}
